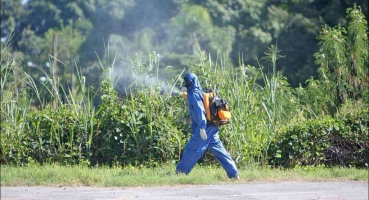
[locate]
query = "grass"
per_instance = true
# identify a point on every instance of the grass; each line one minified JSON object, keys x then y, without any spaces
{"x":57,"y":175}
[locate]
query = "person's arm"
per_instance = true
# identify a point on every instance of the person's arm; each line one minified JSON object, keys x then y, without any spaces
{"x":197,"y":103}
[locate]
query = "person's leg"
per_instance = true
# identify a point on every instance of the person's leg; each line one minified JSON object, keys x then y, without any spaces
{"x":223,"y":157}
{"x":195,"y":148}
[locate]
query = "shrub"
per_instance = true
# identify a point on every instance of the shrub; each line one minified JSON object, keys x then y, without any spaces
{"x":57,"y":135}
{"x":340,"y":141}
{"x":141,"y":129}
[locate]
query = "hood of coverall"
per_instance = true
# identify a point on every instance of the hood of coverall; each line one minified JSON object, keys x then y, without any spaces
{"x":191,"y":82}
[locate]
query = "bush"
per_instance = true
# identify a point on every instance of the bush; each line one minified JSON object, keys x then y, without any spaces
{"x":141,"y":129}
{"x":57,"y":135}
{"x":341,"y":141}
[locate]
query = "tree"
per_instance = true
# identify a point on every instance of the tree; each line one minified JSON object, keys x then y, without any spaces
{"x":246,"y":18}
{"x":295,"y":35}
{"x":193,"y":26}
{"x":107,"y":18}
{"x":343,"y":58}
{"x":292,"y":24}
{"x":12,"y":12}
{"x":240,"y":28}
{"x":43,"y":15}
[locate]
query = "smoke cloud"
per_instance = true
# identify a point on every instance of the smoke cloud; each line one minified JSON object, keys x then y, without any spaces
{"x":126,"y":80}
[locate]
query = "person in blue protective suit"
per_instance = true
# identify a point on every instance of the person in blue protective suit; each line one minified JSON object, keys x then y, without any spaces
{"x":204,"y":135}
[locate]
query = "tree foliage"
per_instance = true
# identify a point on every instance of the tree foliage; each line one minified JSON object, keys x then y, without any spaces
{"x":241,"y":28}
{"x":343,"y":58}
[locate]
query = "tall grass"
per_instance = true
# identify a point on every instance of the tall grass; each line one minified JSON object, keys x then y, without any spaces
{"x":14,"y":103}
{"x":33,"y":128}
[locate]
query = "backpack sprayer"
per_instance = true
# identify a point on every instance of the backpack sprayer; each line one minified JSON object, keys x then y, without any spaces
{"x":216,"y":108}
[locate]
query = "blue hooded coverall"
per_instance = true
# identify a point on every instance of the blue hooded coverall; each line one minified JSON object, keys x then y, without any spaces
{"x":196,"y":146}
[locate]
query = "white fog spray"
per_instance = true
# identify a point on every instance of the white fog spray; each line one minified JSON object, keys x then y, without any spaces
{"x":126,"y":81}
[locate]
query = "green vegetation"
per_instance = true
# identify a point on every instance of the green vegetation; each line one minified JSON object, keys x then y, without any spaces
{"x":329,"y":141}
{"x":75,"y":31}
{"x":69,"y":122}
{"x":57,"y":175}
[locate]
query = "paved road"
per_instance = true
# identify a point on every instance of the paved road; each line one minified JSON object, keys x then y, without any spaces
{"x":244,"y":191}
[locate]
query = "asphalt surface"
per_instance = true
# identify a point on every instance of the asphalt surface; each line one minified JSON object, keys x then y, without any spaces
{"x":240,"y":191}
